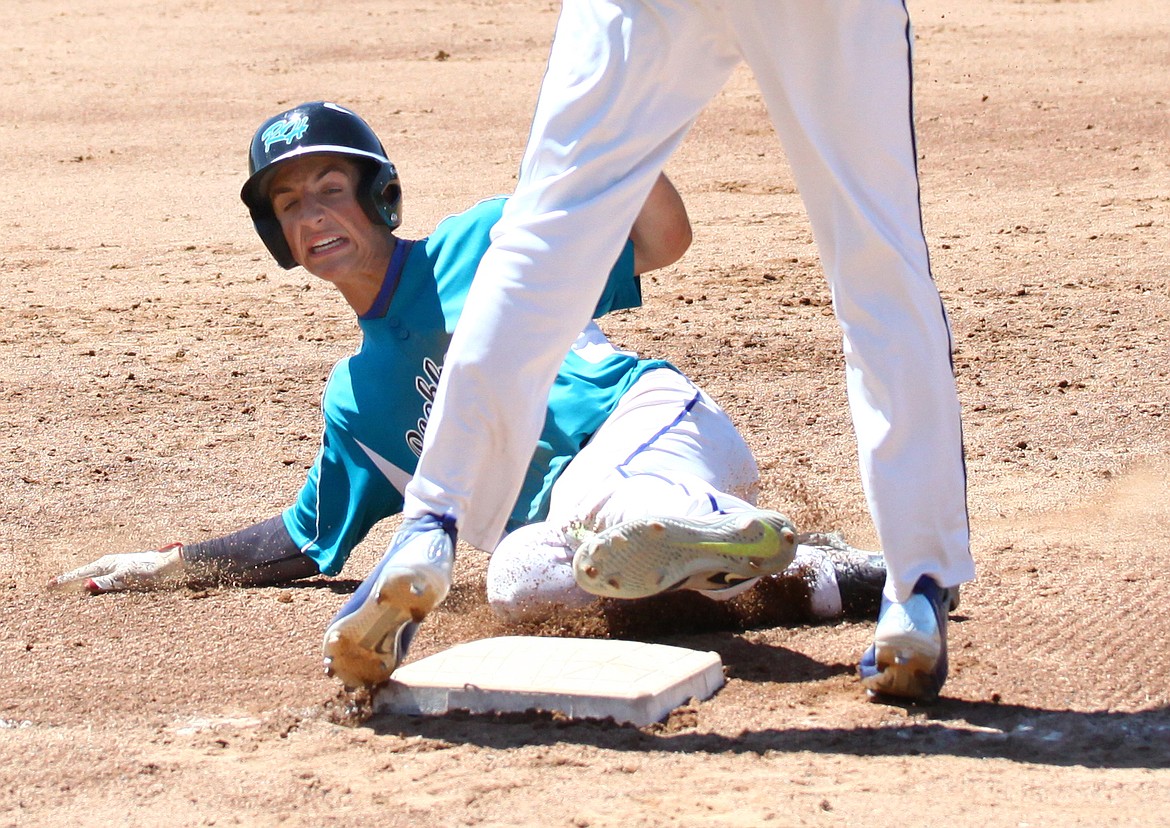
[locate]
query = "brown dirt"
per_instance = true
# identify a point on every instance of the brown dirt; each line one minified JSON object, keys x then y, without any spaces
{"x":161,"y":376}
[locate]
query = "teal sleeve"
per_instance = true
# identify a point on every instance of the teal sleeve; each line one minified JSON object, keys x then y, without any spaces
{"x":623,"y":289}
{"x":343,"y":497}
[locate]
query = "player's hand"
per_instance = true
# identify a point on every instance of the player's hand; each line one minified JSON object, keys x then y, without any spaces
{"x":158,"y":568}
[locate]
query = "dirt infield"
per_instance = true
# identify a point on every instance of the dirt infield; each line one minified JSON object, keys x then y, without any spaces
{"x":161,"y":376}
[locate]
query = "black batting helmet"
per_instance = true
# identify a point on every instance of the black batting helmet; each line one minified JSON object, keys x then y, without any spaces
{"x":318,"y":127}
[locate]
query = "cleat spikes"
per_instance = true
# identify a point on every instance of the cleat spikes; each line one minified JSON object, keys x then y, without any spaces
{"x":908,"y":658}
{"x":645,"y":556}
{"x":369,"y":636}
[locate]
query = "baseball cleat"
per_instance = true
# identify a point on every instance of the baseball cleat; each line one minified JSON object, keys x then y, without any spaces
{"x":908,"y":657}
{"x":646,"y":556}
{"x":368,"y":638}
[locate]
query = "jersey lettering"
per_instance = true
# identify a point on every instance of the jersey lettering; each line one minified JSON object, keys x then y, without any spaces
{"x":426,"y":385}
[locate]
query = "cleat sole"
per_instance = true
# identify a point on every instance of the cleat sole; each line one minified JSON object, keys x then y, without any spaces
{"x":904,"y":673}
{"x":362,"y":649}
{"x":908,"y":659}
{"x":646,"y":556}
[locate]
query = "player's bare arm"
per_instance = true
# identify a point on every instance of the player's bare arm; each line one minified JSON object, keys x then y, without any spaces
{"x":662,"y":231}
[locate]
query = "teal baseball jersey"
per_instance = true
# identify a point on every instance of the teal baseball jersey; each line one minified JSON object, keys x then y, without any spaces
{"x":377,"y":401}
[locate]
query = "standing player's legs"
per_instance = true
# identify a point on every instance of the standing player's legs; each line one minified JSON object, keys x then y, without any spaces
{"x":610,"y":112}
{"x":838,"y":87}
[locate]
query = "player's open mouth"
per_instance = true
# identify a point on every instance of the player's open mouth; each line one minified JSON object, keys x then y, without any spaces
{"x":331,"y":243}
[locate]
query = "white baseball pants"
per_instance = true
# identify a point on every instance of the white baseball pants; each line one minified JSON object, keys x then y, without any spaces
{"x":624,"y":83}
{"x":667,"y":449}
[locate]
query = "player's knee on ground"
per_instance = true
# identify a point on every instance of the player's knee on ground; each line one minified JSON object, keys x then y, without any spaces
{"x":530,"y":575}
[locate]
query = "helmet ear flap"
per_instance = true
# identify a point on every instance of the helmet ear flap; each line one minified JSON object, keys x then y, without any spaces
{"x":272,"y":234}
{"x":383,"y":201}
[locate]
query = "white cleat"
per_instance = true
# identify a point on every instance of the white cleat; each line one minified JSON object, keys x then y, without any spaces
{"x":368,"y":638}
{"x":646,"y":556}
{"x":908,"y":657}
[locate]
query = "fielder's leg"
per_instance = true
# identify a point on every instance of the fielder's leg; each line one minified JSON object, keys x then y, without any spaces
{"x":839,"y":93}
{"x":644,"y":73}
{"x":369,"y":636}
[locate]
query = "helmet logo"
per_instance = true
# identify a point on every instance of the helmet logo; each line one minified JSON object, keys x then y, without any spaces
{"x":286,"y":130}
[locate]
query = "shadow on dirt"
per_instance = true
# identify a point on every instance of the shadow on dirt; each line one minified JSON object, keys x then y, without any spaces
{"x":950,"y":727}
{"x":961,"y":729}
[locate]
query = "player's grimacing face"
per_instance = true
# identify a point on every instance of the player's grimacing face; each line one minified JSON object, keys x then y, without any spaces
{"x":330,"y":235}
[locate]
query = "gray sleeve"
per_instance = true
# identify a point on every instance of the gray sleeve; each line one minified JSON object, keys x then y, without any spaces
{"x":260,"y":555}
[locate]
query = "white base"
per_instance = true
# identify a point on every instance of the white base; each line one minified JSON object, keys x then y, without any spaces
{"x":630,"y":681}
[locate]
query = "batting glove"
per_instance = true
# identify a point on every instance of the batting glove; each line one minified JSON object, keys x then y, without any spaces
{"x":155,"y":569}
